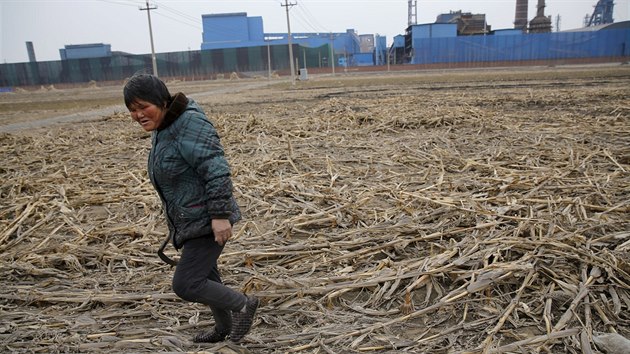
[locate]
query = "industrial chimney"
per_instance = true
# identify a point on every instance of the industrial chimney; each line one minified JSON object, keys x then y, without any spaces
{"x":520,"y":19}
{"x":31,"y":52}
{"x":412,"y":13}
{"x":540,"y":23}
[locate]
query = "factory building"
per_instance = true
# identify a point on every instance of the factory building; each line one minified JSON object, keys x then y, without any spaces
{"x":454,"y":37}
{"x":467,"y":23}
{"x":380,"y":50}
{"x":237,"y":30}
{"x":231,"y":30}
{"x":461,"y":37}
{"x":81,"y":51}
{"x":439,"y":44}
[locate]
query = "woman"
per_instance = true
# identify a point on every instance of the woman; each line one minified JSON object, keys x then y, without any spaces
{"x":188,"y":169}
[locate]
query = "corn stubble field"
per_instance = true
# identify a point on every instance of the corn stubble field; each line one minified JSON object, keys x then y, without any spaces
{"x":468,"y":211}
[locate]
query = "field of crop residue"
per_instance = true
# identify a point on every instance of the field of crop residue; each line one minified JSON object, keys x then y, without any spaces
{"x":480,"y":211}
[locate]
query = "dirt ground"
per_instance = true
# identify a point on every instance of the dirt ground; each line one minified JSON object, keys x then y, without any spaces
{"x":480,"y":211}
{"x":30,"y":108}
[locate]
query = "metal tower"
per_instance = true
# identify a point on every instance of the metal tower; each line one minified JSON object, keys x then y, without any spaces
{"x":412,"y":13}
{"x":602,"y":14}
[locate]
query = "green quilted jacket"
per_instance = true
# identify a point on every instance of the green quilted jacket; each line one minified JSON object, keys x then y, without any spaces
{"x":189,"y":171}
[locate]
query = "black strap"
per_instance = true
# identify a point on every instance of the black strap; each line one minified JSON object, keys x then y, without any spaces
{"x":161,"y":254}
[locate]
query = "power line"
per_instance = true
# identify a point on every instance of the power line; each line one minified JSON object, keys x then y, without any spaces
{"x":192,"y":21}
{"x":125,"y":3}
{"x":178,"y":13}
{"x":314,"y":18}
{"x":306,"y":21}
{"x":176,"y":20}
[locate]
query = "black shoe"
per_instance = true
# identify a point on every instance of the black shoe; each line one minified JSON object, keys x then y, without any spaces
{"x":212,"y":336}
{"x":242,"y":321}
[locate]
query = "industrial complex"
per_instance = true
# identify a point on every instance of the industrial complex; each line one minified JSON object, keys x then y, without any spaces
{"x":455,"y":39}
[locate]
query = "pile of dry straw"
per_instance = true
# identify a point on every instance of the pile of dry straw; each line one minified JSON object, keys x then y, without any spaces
{"x":455,"y":215}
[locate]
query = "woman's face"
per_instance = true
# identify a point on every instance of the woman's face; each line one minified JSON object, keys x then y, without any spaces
{"x":148,"y":115}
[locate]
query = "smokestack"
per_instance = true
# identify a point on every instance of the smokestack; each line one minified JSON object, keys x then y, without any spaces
{"x":31,"y":52}
{"x":540,"y":23}
{"x":520,"y":19}
{"x":541,"y":8}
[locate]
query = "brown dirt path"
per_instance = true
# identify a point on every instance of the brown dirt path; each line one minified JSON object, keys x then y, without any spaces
{"x":61,"y":112}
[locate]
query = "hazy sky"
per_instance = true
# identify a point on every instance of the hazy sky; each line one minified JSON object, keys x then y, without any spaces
{"x":52,"y":24}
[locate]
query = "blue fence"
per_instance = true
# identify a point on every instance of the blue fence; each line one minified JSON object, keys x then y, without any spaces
{"x":528,"y":47}
{"x":204,"y":64}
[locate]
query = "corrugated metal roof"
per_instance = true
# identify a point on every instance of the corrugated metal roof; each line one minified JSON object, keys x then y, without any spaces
{"x":240,"y":14}
{"x":607,"y":26}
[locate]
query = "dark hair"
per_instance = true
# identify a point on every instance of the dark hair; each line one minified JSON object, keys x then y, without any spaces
{"x":148,"y":88}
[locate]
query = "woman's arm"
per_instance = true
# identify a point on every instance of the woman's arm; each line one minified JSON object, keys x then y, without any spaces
{"x":200,"y":146}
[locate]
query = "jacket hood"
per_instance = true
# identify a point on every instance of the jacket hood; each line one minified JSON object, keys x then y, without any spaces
{"x":176,"y":106}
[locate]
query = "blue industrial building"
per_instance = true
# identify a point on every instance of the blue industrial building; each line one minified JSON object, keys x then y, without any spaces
{"x":231,"y":30}
{"x":439,"y":43}
{"x":380,"y":50}
{"x":454,"y":37}
{"x":237,"y":30}
{"x":81,"y":51}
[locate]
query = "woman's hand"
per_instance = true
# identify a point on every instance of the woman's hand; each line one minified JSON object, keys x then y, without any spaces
{"x":222,"y":230}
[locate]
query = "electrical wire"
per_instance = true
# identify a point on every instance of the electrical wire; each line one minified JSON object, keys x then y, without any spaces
{"x":302,"y":18}
{"x":120,"y":2}
{"x":179,"y":13}
{"x":309,"y":14}
{"x":302,"y":15}
{"x":197,"y":22}
{"x":157,"y":13}
{"x":189,"y":20}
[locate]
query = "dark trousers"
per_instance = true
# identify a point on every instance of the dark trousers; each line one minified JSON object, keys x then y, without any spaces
{"x":197,"y":279}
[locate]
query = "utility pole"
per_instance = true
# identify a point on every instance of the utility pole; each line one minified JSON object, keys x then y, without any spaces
{"x":332,"y":53}
{"x":287,"y":5}
{"x":153,"y":61}
{"x":268,"y":60}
